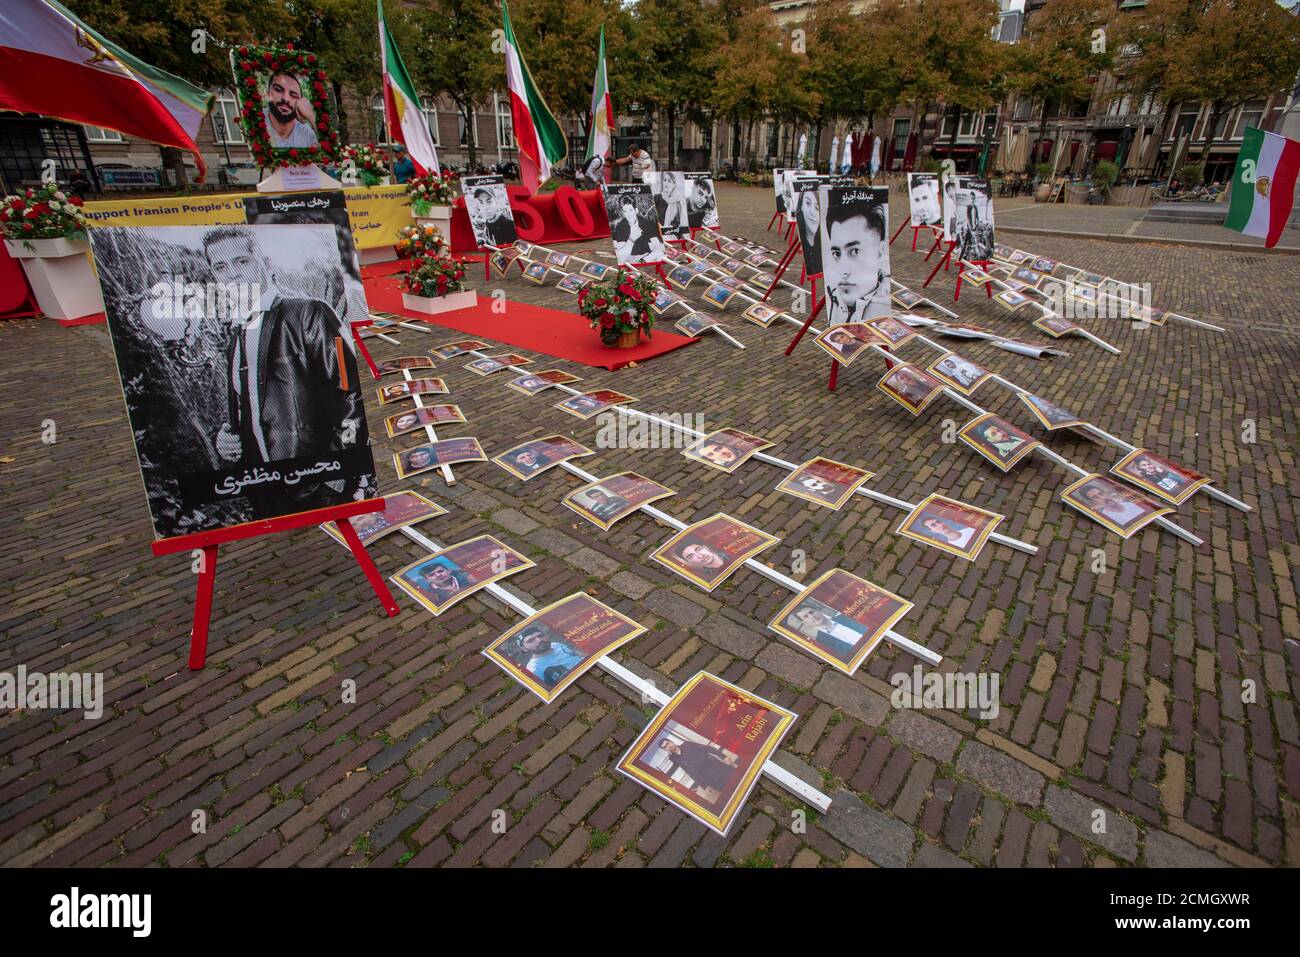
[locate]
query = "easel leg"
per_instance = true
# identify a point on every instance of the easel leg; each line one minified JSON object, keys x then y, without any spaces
{"x":807,"y":323}
{"x":937,"y":241}
{"x":772,"y":221}
{"x":941,"y":264}
{"x":780,"y":270}
{"x":368,"y":566}
{"x":901,"y":227}
{"x":835,"y":374}
{"x":365,"y":354}
{"x":203,"y":608}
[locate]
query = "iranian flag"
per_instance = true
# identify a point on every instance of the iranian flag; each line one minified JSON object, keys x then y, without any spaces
{"x":1263,"y":186}
{"x":406,"y":123}
{"x":537,"y":134}
{"x":55,"y":65}
{"x":602,"y":111}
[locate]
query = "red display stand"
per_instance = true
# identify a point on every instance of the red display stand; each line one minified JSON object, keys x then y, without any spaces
{"x":357,"y":326}
{"x":208,"y":542}
{"x":16,"y":299}
{"x":943,"y":262}
{"x":565,"y":216}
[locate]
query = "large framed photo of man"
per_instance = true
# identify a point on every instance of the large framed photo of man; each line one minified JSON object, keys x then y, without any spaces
{"x":240,"y":380}
{"x":488,"y":206}
{"x":974,"y":219}
{"x":285,"y":106}
{"x":910,"y":386}
{"x":923,"y":199}
{"x":705,"y":749}
{"x":550,"y":650}
{"x":707,"y":552}
{"x":1051,"y":415}
{"x":633,"y":224}
{"x":440,"y":580}
{"x":341,"y":287}
{"x":701,"y":201}
{"x":855,"y":252}
{"x":1112,"y":504}
{"x":964,"y":375}
{"x":606,"y":501}
{"x":840,"y":618}
{"x":589,"y":403}
{"x":950,"y":525}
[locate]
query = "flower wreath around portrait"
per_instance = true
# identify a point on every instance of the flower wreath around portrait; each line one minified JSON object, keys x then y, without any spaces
{"x":619,"y":303}
{"x":250,"y":62}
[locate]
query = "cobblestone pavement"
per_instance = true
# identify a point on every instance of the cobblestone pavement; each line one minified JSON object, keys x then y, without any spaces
{"x":1160,"y":691}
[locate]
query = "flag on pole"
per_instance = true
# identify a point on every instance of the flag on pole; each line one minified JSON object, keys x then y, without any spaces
{"x":537,"y":133}
{"x":402,"y":113}
{"x":55,"y":65}
{"x":602,"y":112}
{"x":1263,"y":185}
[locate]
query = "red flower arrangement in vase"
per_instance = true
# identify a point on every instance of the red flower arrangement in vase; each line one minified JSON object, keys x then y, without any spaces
{"x":618,"y":306}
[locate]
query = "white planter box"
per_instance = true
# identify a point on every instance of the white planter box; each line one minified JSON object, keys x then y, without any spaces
{"x":438,"y":215}
{"x":448,"y":303}
{"x":61,"y":276}
{"x":46,"y":248}
{"x":378,"y":254}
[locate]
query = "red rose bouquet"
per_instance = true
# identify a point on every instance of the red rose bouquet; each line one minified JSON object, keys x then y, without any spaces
{"x":619,"y":304}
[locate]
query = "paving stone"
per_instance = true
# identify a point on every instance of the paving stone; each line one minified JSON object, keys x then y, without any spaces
{"x":1162,"y":849}
{"x":876,"y":836}
{"x":1077,"y":814}
{"x":1001,"y":773}
{"x":923,"y":734}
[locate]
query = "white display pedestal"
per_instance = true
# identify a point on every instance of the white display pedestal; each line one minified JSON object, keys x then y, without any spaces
{"x":377,"y":254}
{"x":433,"y":306}
{"x":439,"y":217}
{"x":60,"y":274}
{"x":290,"y":178}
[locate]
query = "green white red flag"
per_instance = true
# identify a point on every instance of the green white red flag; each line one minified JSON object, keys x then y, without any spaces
{"x":55,"y":65}
{"x":537,"y":133}
{"x":402,"y":113}
{"x":602,"y":111}
{"x":1263,"y":186}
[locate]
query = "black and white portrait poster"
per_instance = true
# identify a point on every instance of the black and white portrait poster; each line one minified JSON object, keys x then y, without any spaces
{"x":778,"y":187}
{"x":973,"y":229}
{"x":488,"y":206}
{"x":344,"y":290}
{"x":855,"y":252}
{"x":239,"y":377}
{"x":671,"y":208}
{"x":808,"y":223}
{"x":633,"y":224}
{"x":923,"y":195}
{"x":701,"y":201}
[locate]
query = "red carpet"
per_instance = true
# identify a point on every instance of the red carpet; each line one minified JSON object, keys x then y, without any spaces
{"x":564,"y":335}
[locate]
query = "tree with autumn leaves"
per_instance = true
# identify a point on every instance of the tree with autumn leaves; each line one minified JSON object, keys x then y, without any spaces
{"x":728,"y":59}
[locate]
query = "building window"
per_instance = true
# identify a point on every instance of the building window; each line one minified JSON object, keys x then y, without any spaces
{"x":97,"y":134}
{"x":1024,"y":106}
{"x":378,"y":124}
{"x":505,"y":126}
{"x":902,"y":132}
{"x":429,"y":107}
{"x":225,"y":119}
{"x":773,"y":137}
{"x":1252,"y":114}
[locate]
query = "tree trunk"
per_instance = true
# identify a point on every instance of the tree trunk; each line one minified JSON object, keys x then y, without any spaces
{"x":1042,"y":135}
{"x":174,"y":160}
{"x":471,"y":147}
{"x":1216,"y":110}
{"x":817,"y":146}
{"x":342,"y":115}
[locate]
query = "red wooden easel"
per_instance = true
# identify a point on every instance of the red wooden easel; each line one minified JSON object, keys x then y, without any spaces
{"x":357,"y":326}
{"x":943,"y":262}
{"x":901,"y":227}
{"x":208,"y":542}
